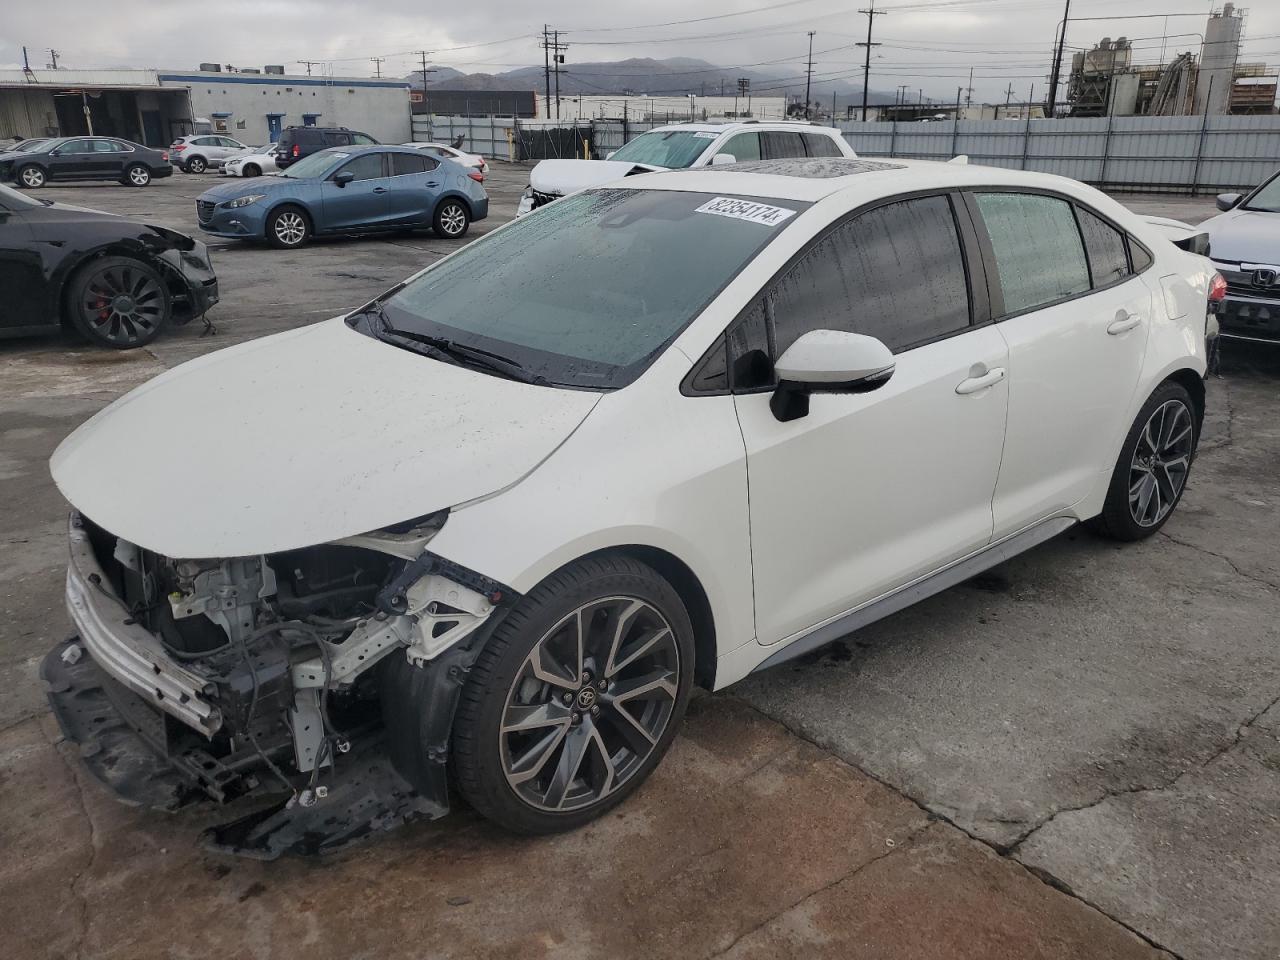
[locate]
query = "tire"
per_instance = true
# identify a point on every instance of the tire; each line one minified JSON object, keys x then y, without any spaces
{"x":529,"y":782}
{"x":1155,"y":462}
{"x":250,"y":170}
{"x":452,"y":219}
{"x":32,"y":176}
{"x":288,"y":227}
{"x":137,"y":175}
{"x":196,"y":165}
{"x":118,"y":302}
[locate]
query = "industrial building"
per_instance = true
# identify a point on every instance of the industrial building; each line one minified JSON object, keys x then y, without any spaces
{"x":156,"y":107}
{"x":1107,"y":80}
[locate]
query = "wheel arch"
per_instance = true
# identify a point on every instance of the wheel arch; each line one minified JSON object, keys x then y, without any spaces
{"x":289,"y":202}
{"x":133,"y":249}
{"x":1194,"y":385}
{"x":454,"y":195}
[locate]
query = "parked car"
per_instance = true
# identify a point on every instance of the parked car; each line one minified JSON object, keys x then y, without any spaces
{"x":1244,"y":242}
{"x":443,"y":151}
{"x":26,"y":146}
{"x":252,"y":164}
{"x":119,"y":282}
{"x":298,"y":143}
{"x":681,"y":146}
{"x":346,"y":191}
{"x":525,"y":516}
{"x":196,"y":154}
{"x":85,"y":158}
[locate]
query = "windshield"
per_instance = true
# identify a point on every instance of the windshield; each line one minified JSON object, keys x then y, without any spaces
{"x":586,"y":291}
{"x":674,"y":148}
{"x":1267,"y":198}
{"x":26,"y":146}
{"x":316,"y":165}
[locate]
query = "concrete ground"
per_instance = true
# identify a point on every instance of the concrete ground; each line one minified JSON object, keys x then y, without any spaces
{"x":1074,"y":755}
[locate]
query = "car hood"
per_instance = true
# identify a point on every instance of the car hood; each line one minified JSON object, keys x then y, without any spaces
{"x":1247,"y":236}
{"x":302,"y":438}
{"x":560,"y":177}
{"x":240,"y":188}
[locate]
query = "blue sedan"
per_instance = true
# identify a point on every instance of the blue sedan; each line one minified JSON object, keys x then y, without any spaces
{"x":346,"y":190}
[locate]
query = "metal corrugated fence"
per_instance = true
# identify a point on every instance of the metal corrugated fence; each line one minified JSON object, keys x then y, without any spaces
{"x":1175,"y":154}
{"x":1169,"y":154}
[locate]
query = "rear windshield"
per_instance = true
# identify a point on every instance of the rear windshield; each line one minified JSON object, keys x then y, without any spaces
{"x":586,"y":291}
{"x":674,"y":148}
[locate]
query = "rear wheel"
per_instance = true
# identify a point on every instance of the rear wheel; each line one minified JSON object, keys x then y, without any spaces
{"x":118,"y":302}
{"x":196,"y":165}
{"x":1152,"y":471}
{"x":287,"y":228}
{"x":31,"y":176}
{"x":575,"y":698}
{"x":451,"y":220}
{"x":137,"y":175}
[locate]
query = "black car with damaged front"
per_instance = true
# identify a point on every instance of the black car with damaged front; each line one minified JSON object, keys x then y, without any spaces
{"x":118,"y":282}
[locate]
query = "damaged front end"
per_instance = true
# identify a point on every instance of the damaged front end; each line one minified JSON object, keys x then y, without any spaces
{"x":324,"y":679}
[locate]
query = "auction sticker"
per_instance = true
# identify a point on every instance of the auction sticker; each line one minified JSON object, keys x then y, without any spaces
{"x":746,"y":210}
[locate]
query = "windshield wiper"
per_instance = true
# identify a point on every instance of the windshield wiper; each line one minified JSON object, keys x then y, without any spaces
{"x":450,"y":351}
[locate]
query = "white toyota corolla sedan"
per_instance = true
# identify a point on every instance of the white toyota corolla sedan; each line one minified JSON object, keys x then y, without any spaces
{"x":496,"y":525}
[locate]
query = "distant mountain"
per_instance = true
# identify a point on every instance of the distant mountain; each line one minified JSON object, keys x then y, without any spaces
{"x":644,"y":76}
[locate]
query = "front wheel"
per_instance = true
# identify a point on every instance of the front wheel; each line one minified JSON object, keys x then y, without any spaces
{"x":451,"y":220}
{"x":196,"y":165}
{"x":137,"y":175}
{"x":1154,"y":463}
{"x":575,"y":698}
{"x":249,"y":170}
{"x":119,"y":302}
{"x":287,"y":228}
{"x":31,"y":177}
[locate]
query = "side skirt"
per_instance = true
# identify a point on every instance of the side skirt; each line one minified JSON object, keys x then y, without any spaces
{"x":918,"y":590}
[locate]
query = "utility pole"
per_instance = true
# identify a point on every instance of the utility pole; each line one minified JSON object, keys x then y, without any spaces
{"x":552,"y":57}
{"x":377,"y":65}
{"x":1057,"y":59}
{"x":968,"y":96}
{"x":871,"y":14}
{"x":53,"y":58}
{"x":546,"y":66}
{"x":309,"y":64}
{"x":808,"y":76}
{"x":425,"y":71}
{"x":744,"y":90}
{"x":1008,"y":95}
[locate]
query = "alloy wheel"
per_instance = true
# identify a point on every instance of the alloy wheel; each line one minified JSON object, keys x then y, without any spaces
{"x":123,"y":304}
{"x":453,"y":219}
{"x":589,"y":704}
{"x":1161,"y":460}
{"x":139,"y":176}
{"x":33,"y":177}
{"x":290,"y":228}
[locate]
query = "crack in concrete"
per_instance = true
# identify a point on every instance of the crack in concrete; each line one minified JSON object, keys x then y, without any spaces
{"x":82,"y":919}
{"x":1263,"y":581}
{"x":1242,"y":730}
{"x":1004,"y":852}
{"x":849,"y":875}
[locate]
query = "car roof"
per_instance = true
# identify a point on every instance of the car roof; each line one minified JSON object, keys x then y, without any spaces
{"x":814,"y":179}
{"x":733,"y":126}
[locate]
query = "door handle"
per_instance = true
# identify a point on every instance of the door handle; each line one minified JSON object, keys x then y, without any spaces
{"x":1123,"y":323}
{"x":433,"y":183}
{"x":379,"y":189}
{"x":978,"y":384}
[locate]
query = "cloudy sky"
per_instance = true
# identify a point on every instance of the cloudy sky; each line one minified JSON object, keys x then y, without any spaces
{"x":925,"y":45}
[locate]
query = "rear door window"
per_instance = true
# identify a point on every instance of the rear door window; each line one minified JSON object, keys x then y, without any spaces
{"x":1038,"y":251}
{"x":895,"y":273}
{"x":336,"y":138}
{"x":362,"y":138}
{"x":403,"y":164}
{"x":782,"y":145}
{"x":820,"y":145}
{"x":1104,"y":245}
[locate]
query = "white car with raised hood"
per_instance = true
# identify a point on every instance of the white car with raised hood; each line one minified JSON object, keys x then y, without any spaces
{"x":253,"y":163}
{"x":684,"y":146}
{"x":487,"y":532}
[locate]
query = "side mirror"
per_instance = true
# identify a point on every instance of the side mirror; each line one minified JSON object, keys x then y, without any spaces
{"x":827,"y":361}
{"x":722,"y":158}
{"x":1227,"y":201}
{"x":343,"y":178}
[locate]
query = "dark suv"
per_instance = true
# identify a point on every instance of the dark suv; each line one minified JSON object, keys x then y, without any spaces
{"x":298,"y":142}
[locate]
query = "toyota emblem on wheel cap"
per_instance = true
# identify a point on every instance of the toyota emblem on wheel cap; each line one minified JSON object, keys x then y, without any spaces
{"x":1264,"y":278}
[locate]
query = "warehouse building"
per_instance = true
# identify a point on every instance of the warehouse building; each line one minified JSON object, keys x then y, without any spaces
{"x":156,"y":107}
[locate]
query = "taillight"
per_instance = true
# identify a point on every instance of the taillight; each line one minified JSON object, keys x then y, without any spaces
{"x":1217,"y":288}
{"x":164,"y":156}
{"x":295,"y":151}
{"x":477,"y":176}
{"x":178,"y":147}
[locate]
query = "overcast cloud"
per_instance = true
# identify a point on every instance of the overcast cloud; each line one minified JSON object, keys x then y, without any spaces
{"x":925,"y":45}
